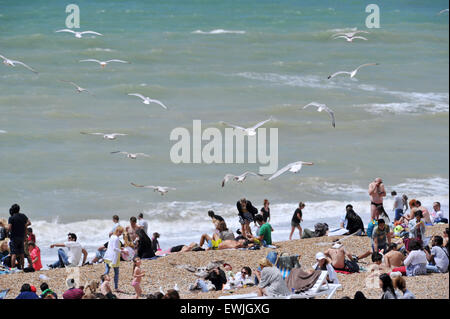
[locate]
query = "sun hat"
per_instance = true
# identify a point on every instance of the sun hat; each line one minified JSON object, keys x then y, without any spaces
{"x":320,"y":255}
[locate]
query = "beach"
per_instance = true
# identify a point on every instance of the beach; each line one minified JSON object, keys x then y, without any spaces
{"x":162,"y":272}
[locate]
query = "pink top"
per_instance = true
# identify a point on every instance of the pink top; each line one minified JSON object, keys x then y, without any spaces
{"x":36,"y":253}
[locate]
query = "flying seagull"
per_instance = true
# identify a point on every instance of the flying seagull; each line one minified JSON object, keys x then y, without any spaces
{"x":147,"y":100}
{"x":237,"y":178}
{"x":3,"y":132}
{"x":349,"y":34}
{"x":78,"y":88}
{"x":292,"y":167}
{"x":443,"y":11}
{"x":323,"y":107}
{"x":13,"y":63}
{"x":352,"y":73}
{"x":104,"y":63}
{"x":79,"y":35}
{"x":161,"y":189}
{"x":251,"y":131}
{"x":106,"y":136}
{"x":349,"y":39}
{"x":131,"y":155}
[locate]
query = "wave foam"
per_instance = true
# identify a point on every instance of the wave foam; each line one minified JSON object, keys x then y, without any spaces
{"x":219,"y":31}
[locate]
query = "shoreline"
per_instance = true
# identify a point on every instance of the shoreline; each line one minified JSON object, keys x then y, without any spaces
{"x":161,"y":272}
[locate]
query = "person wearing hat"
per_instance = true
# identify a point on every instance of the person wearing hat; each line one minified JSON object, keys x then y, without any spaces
{"x":324,"y":264}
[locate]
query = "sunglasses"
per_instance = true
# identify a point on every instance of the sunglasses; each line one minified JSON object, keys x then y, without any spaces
{"x":244,"y":272}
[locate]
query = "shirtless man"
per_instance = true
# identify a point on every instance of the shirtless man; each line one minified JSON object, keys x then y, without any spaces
{"x":230,"y":244}
{"x":376,"y":193}
{"x":425,"y":213}
{"x":131,"y":229}
{"x":337,"y":255}
{"x":393,"y":258}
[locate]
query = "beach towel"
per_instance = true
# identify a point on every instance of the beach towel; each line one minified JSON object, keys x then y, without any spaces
{"x":300,"y":280}
{"x":286,"y":263}
{"x":343,"y":272}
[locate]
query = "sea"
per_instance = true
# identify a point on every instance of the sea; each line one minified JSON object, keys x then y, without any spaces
{"x":235,"y":61}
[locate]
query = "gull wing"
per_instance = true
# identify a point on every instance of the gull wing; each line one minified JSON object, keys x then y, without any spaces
{"x":66,"y":30}
{"x":115,"y":60}
{"x":359,"y":37}
{"x":235,"y":126}
{"x":251,"y":173}
{"x":314,"y":104}
{"x":260,"y":124}
{"x":226,"y":178}
{"x":92,"y":133}
{"x":91,"y":32}
{"x":367,"y":64}
{"x":142,"y":186}
{"x":91,"y":60}
{"x":142,"y":154}
{"x":337,"y":73}
{"x":159,"y":103}
{"x":281,"y":171}
{"x":26,"y":66}
{"x":138,"y":95}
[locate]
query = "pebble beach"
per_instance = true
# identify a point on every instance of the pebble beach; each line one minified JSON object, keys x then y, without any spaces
{"x":162,"y":272}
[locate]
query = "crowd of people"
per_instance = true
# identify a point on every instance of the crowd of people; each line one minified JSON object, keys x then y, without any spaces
{"x":397,"y":246}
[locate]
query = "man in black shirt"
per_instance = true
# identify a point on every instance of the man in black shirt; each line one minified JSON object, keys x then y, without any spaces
{"x":17,"y":225}
{"x":296,"y":220}
{"x":246,"y":214}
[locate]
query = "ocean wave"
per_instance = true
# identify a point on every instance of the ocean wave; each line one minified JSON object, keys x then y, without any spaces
{"x":219,"y":31}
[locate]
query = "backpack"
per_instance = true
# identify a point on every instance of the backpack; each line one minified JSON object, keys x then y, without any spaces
{"x":320,"y":229}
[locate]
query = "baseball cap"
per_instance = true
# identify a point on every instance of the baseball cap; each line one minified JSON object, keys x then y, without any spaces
{"x":320,"y":255}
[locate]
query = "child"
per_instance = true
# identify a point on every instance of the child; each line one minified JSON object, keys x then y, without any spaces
{"x":137,"y":275}
{"x":30,"y":236}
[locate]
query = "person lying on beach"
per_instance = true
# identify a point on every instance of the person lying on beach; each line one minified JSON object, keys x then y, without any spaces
{"x":183,"y":248}
{"x":393,"y":258}
{"x":324,"y":264}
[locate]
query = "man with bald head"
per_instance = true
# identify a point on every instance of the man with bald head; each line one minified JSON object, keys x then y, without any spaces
{"x":376,"y":193}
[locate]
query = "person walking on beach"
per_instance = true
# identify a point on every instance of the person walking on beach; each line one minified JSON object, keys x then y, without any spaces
{"x":376,"y":193}
{"x":296,"y":220}
{"x":246,"y":214}
{"x":112,"y":256}
{"x":265,"y":211}
{"x":74,"y":255}
{"x":397,"y":208}
{"x":17,"y":225}
{"x":142,"y":223}
{"x":137,"y":277}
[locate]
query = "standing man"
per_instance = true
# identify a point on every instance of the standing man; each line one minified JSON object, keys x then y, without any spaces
{"x":17,"y":225}
{"x":376,"y":193}
{"x":397,"y":208}
{"x":142,"y":222}
{"x":246,"y":214}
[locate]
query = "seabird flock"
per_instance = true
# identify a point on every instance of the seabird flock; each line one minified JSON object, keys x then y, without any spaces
{"x":294,"y":167}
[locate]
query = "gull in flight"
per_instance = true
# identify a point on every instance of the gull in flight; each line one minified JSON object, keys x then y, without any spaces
{"x":349,"y":39}
{"x":323,"y":107}
{"x":131,"y":155}
{"x":251,"y":131}
{"x":78,"y":88}
{"x":79,"y":35}
{"x":104,"y":63}
{"x":292,"y":167}
{"x":147,"y":100}
{"x":349,"y":34}
{"x":161,"y":189}
{"x":351,"y":73}
{"x":111,"y":136}
{"x":443,"y":11}
{"x":237,"y":178}
{"x":13,"y":63}
{"x":3,"y":132}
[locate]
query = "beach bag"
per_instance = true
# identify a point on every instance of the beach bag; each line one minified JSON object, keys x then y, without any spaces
{"x":320,"y":229}
{"x":286,"y":263}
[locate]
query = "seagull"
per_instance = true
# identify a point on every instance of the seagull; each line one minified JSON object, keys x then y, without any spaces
{"x":147,"y":100}
{"x":443,"y":11}
{"x":349,"y":39}
{"x":349,"y":34}
{"x":352,"y":73}
{"x":79,"y":35}
{"x":79,"y":88}
{"x":292,"y":167}
{"x":131,"y":155}
{"x":111,"y":136}
{"x":237,"y":178}
{"x":323,"y":107}
{"x":103,"y":63}
{"x":3,"y":132}
{"x":13,"y":63}
{"x":251,"y":131}
{"x":161,"y":189}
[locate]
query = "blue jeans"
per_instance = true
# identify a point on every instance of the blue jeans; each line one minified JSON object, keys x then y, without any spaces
{"x":398,"y":214}
{"x":202,"y":285}
{"x":62,"y":261}
{"x":116,"y":275}
{"x":433,"y":268}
